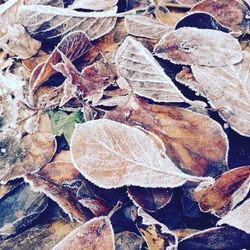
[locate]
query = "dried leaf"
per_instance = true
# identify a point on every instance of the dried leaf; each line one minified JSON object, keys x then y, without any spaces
{"x":194,"y":46}
{"x":231,"y":13}
{"x":150,"y":199}
{"x":237,"y":217}
{"x":73,"y":46}
{"x":226,"y":192}
{"x":143,"y":73}
{"x":188,"y":2}
{"x":59,"y":22}
{"x":193,"y":141}
{"x":20,"y":209}
{"x":40,"y":237}
{"x":8,"y":187}
{"x":34,"y":151}
{"x":128,"y":241}
{"x":63,"y":123}
{"x":122,"y":155}
{"x":93,"y":5}
{"x":227,"y":89}
{"x":31,"y":63}
{"x":94,"y":234}
{"x":54,"y":180}
{"x":216,"y":238}
{"x":143,"y":26}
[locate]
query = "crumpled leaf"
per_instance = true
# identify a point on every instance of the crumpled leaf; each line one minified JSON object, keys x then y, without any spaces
{"x":201,"y":20}
{"x":73,"y":46}
{"x":230,"y":91}
{"x":93,"y":5}
{"x":156,"y":234}
{"x":144,"y":75}
{"x":97,"y":233}
{"x":19,"y":209}
{"x":226,"y":192}
{"x":237,"y":217}
{"x":128,"y":241}
{"x":150,"y":199}
{"x":216,"y":238}
{"x":64,"y":123}
{"x":59,"y":21}
{"x":194,"y":46}
{"x":122,"y":155}
{"x":143,"y":26}
{"x":231,"y":13}
{"x":28,"y":154}
{"x":40,"y":237}
{"x":54,"y":180}
{"x":183,"y":132}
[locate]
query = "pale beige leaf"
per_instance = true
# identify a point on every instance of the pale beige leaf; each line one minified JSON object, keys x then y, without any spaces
{"x":93,"y":4}
{"x":238,"y":217}
{"x":227,"y":89}
{"x":192,"y":46}
{"x":143,"y":26}
{"x":97,"y":233}
{"x":112,"y":154}
{"x":143,"y":73}
{"x":60,"y":21}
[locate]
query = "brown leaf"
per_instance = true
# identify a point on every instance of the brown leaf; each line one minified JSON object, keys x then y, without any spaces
{"x":53,"y":180}
{"x":227,"y":89}
{"x":193,"y":141}
{"x":150,"y":199}
{"x":237,"y":217}
{"x":142,"y":26}
{"x":122,"y":155}
{"x":40,"y":237}
{"x":231,"y":13}
{"x":73,"y":46}
{"x":94,"y":234}
{"x":34,"y":151}
{"x":194,"y":46}
{"x":32,"y":62}
{"x":143,"y":74}
{"x":217,"y":238}
{"x":226,"y":192}
{"x":128,"y":241}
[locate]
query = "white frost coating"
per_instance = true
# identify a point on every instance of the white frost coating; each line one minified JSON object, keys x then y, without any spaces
{"x":239,"y":217}
{"x":93,"y":4}
{"x":149,"y":220}
{"x":143,"y":73}
{"x":228,"y":89}
{"x":143,"y":26}
{"x":112,"y":154}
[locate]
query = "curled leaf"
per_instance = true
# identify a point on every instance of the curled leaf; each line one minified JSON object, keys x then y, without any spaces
{"x":194,"y":46}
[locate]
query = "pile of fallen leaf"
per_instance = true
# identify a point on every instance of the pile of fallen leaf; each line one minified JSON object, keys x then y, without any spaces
{"x":124,"y":124}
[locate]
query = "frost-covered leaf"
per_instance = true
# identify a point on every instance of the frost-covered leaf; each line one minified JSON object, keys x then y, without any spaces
{"x":128,"y":241}
{"x":194,"y":46}
{"x":238,"y":217}
{"x":19,"y":209}
{"x":64,"y":123}
{"x":8,"y":187}
{"x":150,"y":199}
{"x":231,"y":13}
{"x":156,"y":234}
{"x":144,"y":26}
{"x":144,"y":75}
{"x":226,"y":192}
{"x":227,"y":89}
{"x":216,"y":238}
{"x":111,"y":155}
{"x":28,"y":154}
{"x":73,"y":46}
{"x":54,"y":180}
{"x":193,"y":141}
{"x":40,"y":237}
{"x":94,"y":234}
{"x":47,"y":22}
{"x":93,"y":4}
{"x":31,"y":63}
{"x":187,"y":2}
